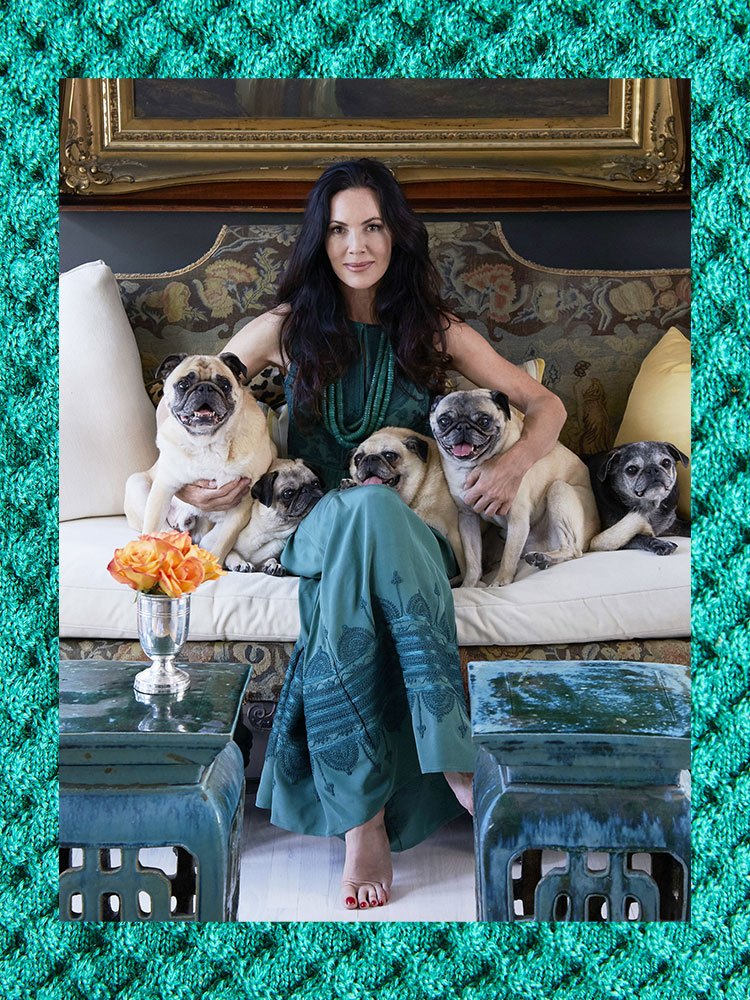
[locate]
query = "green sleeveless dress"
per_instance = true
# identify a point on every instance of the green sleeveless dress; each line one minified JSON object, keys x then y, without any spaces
{"x":372,"y":709}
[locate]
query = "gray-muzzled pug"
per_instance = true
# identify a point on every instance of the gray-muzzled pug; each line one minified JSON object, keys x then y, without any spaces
{"x":553,"y":516}
{"x":636,"y":491}
{"x":216,"y":430}
{"x":282,"y":497}
{"x":409,"y":463}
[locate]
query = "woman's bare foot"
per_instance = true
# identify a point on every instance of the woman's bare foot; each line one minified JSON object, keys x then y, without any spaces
{"x":462,"y":784}
{"x":367,"y":870}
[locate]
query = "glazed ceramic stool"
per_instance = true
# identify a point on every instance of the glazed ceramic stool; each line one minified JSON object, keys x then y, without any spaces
{"x":588,"y":760}
{"x":138,"y":773}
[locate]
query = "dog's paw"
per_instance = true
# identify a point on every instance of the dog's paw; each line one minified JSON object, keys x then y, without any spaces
{"x":346,"y":484}
{"x":181,"y":517}
{"x":273,"y":567}
{"x":661,"y":547}
{"x":236,"y":564}
{"x":186,"y":523}
{"x":538,"y":559}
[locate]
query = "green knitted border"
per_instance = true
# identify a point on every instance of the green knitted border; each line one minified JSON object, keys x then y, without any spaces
{"x":43,"y":40}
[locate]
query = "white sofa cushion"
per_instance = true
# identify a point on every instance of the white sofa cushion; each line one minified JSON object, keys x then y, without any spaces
{"x":604,"y":595}
{"x":107,"y":422}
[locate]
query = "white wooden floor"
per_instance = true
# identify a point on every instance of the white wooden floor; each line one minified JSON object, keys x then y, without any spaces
{"x":290,"y":877}
{"x":287,"y":877}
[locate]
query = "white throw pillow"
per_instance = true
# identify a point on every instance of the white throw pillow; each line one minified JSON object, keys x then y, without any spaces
{"x":107,"y":422}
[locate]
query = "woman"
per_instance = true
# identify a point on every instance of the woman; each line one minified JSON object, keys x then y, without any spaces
{"x":371,"y":739}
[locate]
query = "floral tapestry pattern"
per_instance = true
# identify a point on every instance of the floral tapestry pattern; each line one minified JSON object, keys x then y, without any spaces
{"x":592,"y":328}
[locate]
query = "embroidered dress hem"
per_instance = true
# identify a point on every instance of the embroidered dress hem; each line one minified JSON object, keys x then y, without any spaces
{"x":373,"y":708}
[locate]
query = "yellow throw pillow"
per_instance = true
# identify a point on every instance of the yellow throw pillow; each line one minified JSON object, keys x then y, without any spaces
{"x":659,"y":404}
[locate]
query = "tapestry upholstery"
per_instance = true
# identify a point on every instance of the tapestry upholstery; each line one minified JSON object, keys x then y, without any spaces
{"x":592,"y":328}
{"x":269,"y":659}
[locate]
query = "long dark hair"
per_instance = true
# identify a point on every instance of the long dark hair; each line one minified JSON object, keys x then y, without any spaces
{"x":407,"y":304}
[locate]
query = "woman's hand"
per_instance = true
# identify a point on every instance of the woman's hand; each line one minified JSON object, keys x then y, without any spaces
{"x":492,"y":486}
{"x":207,"y":496}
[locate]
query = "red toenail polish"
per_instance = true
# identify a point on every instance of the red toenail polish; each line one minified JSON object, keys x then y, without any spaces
{"x":373,"y":902}
{"x":381,"y":903}
{"x":363,"y":906}
{"x":350,"y":900}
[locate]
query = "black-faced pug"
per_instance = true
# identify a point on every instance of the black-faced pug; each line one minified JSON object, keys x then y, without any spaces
{"x":282,"y":497}
{"x":636,"y":492}
{"x":553,"y":516}
{"x":215,"y":430}
{"x":408,"y":462}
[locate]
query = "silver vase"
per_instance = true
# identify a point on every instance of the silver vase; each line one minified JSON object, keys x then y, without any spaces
{"x":163,"y":630}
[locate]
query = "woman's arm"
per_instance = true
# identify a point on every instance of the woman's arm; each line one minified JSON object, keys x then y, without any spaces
{"x":257,"y":346}
{"x":492,"y":486}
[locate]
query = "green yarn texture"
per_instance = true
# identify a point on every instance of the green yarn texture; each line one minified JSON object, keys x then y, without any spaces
{"x":44,"y":40}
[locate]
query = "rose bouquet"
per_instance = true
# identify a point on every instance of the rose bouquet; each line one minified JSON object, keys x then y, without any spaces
{"x":165,"y":563}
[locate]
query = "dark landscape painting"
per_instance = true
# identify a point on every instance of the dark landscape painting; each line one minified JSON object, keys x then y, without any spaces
{"x":361,"y":99}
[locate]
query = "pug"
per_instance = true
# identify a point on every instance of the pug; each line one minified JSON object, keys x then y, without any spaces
{"x":553,"y":516}
{"x":215,"y":429}
{"x":282,"y":497}
{"x":636,"y":490}
{"x":409,"y":462}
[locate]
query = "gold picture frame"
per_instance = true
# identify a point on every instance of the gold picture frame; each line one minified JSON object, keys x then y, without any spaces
{"x":634,"y":141}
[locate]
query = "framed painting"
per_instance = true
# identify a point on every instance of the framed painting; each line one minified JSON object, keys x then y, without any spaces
{"x":123,"y":136}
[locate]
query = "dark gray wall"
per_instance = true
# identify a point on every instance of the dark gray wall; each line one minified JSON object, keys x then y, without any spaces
{"x":144,"y":242}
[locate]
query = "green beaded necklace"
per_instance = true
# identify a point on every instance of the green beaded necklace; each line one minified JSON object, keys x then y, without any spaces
{"x":376,"y":403}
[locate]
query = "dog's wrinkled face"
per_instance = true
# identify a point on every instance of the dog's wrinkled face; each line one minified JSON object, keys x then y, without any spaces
{"x":643,"y":471}
{"x":468,"y":424}
{"x":387,"y":458}
{"x":202,"y":391}
{"x":290,"y":487}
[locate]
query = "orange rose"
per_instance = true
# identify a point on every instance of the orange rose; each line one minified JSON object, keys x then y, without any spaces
{"x":164,"y":562}
{"x":210,"y":563}
{"x":180,"y":575}
{"x":137,"y":564}
{"x":179,"y":540}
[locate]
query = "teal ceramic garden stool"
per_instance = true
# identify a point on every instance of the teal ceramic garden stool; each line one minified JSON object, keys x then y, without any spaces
{"x":581,"y":810}
{"x":145,"y":772}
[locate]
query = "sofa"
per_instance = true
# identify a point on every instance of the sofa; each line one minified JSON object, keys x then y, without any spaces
{"x":613,"y":345}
